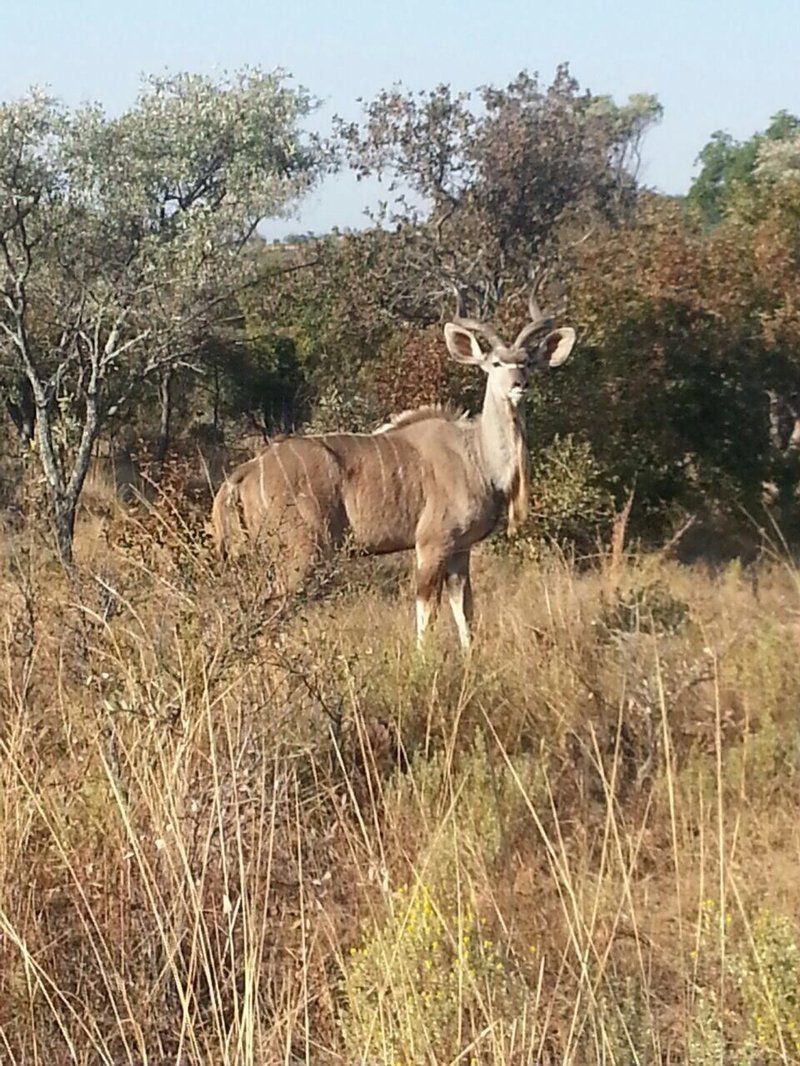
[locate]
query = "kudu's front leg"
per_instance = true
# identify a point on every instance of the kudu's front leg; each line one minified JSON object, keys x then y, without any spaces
{"x":459,"y":592}
{"x":430,"y":578}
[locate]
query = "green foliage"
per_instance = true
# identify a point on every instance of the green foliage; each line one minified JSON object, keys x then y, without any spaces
{"x":570,"y":501}
{"x":763,"y":960}
{"x":491,"y":803}
{"x":341,"y":410}
{"x":670,"y":383}
{"x":769,"y":983}
{"x":427,"y":978}
{"x":322,"y":295}
{"x":625,"y":1025}
{"x":423,"y":979}
{"x":728,"y":168}
{"x":706,"y":1043}
{"x":121,"y":239}
{"x":265,"y":378}
{"x":649,"y":607}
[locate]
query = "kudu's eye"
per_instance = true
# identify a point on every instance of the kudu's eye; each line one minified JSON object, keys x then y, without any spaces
{"x":496,"y":362}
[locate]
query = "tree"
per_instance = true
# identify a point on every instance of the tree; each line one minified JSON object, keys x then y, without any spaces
{"x":333,"y":308}
{"x":688,"y":351}
{"x":120,"y":238}
{"x":481,"y":193}
{"x":478,"y":189}
{"x":728,"y":167}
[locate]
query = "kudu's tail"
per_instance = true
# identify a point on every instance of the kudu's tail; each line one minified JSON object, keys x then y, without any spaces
{"x":224,"y":511}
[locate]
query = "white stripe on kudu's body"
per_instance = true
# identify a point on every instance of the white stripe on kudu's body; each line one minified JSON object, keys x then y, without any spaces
{"x":307,"y":475}
{"x":429,"y":479}
{"x":398,"y":462}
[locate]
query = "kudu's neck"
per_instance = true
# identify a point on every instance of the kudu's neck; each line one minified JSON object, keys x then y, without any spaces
{"x":505,"y":454}
{"x":500,"y":430}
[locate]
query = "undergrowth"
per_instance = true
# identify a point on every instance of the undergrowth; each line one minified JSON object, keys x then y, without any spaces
{"x":237,"y":828}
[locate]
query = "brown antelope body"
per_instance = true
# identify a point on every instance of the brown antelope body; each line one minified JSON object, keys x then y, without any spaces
{"x":429,"y":480}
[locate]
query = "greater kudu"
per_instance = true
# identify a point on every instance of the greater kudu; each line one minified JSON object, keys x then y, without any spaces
{"x":429,"y":479}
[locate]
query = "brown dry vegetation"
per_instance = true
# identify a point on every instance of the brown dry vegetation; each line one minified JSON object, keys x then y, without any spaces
{"x":239,"y":830}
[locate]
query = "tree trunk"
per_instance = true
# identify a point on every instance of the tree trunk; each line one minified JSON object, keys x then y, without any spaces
{"x":64,"y":521}
{"x":784,"y":421}
{"x":22,"y":410}
{"x":216,"y":400}
{"x":65,"y":486}
{"x":165,"y":395}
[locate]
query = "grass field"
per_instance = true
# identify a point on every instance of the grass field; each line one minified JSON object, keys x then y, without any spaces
{"x":235,"y":829}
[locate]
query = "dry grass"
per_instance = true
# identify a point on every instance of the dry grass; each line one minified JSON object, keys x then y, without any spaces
{"x":236,"y":830}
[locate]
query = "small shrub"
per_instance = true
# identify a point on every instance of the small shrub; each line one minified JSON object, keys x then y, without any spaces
{"x":425,"y":982}
{"x":625,"y":1025}
{"x":485,"y":799}
{"x":764,"y":963}
{"x":650,"y":608}
{"x":706,"y":1045}
{"x":569,"y":502}
{"x":768,"y":977}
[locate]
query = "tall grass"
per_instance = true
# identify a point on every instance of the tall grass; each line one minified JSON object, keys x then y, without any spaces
{"x":237,"y":829}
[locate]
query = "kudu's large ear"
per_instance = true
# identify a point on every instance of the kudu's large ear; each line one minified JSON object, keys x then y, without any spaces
{"x":554,"y":349}
{"x":462,"y":345}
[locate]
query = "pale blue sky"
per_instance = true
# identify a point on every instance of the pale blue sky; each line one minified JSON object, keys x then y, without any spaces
{"x":714,"y":64}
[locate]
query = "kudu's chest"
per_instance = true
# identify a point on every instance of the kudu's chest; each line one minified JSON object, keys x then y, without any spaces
{"x":487,"y":515}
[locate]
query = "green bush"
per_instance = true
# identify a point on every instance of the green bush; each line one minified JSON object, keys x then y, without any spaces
{"x":768,"y":976}
{"x":763,"y":959}
{"x":491,"y":799}
{"x":426,"y":981}
{"x":570,"y":503}
{"x":648,"y":608}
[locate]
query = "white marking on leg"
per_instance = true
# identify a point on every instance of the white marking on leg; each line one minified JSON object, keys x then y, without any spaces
{"x":289,"y":485}
{"x":455,"y":593}
{"x":423,"y":618}
{"x":459,"y":593}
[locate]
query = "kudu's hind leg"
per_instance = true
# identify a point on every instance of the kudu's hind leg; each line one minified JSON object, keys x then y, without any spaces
{"x":459,"y":592}
{"x":290,"y":546}
{"x":430,"y":578}
{"x":314,"y":544}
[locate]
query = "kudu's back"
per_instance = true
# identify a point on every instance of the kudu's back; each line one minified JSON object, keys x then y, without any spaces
{"x":302,"y":495}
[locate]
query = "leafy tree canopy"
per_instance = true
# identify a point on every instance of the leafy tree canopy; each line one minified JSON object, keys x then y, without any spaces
{"x":729,"y":168}
{"x":120,"y":237}
{"x":481,"y":187}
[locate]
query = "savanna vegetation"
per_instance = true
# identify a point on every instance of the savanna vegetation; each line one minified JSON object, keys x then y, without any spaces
{"x":243,"y":827}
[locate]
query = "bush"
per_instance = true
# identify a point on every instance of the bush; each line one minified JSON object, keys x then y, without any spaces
{"x":426,"y":981}
{"x":649,"y":607}
{"x":762,"y":957}
{"x":768,"y":977}
{"x":570,"y":502}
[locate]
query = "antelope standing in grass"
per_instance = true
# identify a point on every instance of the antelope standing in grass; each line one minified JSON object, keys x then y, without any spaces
{"x":429,"y":479}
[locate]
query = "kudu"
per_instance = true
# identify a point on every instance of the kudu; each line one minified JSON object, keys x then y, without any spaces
{"x":429,"y":479}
